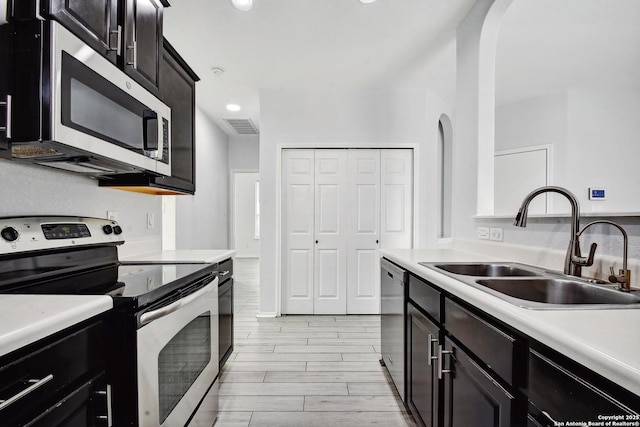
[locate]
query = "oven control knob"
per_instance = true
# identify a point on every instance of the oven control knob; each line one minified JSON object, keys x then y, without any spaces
{"x":9,"y":234}
{"x":117,"y":229}
{"x":107,"y":229}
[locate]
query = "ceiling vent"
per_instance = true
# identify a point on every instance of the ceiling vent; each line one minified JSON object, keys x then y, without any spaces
{"x":242,"y":126}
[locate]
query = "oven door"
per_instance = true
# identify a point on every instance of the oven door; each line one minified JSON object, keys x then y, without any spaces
{"x":177,"y":357}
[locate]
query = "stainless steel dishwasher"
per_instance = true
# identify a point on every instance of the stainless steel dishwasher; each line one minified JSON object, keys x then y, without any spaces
{"x":393,"y":297}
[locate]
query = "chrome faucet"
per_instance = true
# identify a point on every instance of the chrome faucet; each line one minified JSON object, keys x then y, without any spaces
{"x":623,"y":278}
{"x":573,"y":261}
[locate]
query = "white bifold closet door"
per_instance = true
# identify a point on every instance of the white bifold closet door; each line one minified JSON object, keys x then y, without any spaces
{"x":338,"y":207}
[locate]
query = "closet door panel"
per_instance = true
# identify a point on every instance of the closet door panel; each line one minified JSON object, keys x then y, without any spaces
{"x":363,"y":290}
{"x":331,"y":205}
{"x":298,"y":231}
{"x":396,"y":198}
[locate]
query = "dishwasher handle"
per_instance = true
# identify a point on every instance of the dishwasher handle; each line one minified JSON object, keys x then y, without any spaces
{"x":150,"y":316}
{"x":393,"y":271}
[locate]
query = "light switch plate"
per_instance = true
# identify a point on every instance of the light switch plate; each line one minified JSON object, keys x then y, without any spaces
{"x":495,"y":234}
{"x":483,"y":233}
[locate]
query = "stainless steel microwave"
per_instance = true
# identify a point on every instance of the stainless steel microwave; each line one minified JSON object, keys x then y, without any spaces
{"x":69,"y":108}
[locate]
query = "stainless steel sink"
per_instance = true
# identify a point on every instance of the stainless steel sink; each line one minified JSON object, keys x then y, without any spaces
{"x":486,"y":269}
{"x":536,"y":288}
{"x":558,"y":291}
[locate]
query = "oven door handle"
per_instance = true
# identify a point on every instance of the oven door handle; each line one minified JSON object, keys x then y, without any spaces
{"x":150,"y":316}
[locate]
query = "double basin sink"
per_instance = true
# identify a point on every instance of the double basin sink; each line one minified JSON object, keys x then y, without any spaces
{"x":535,"y":288}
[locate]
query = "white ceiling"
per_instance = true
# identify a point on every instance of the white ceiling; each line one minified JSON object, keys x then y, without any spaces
{"x":544,"y":45}
{"x":313,"y":43}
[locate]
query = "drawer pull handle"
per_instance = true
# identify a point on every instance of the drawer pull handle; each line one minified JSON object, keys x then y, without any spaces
{"x":441,"y":370}
{"x":35,"y":385}
{"x":546,"y":414}
{"x":430,"y":356}
{"x":223,"y":273}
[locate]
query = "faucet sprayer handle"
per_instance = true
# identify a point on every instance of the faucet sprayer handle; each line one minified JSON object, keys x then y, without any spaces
{"x":585,"y":261}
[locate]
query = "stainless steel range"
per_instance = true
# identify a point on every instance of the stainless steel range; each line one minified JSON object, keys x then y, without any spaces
{"x":164,"y":325}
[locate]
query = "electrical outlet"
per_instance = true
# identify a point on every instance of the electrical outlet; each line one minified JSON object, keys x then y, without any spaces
{"x":112,"y":215}
{"x":495,"y":234}
{"x":483,"y":233}
{"x":150,"y":220}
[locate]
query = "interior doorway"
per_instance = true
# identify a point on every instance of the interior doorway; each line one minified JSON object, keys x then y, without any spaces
{"x":245,"y":230}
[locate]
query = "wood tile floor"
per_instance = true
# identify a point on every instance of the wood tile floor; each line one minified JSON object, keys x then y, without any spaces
{"x":301,"y":370}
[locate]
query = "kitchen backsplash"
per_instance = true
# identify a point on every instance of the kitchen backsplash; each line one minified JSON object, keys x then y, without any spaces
{"x":31,"y":190}
{"x":553,"y":233}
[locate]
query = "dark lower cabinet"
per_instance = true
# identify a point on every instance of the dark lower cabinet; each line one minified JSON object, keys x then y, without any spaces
{"x":559,"y":393}
{"x":59,"y":381}
{"x":466,"y":368}
{"x":225,"y":311}
{"x":423,"y":391}
{"x":471,"y":396}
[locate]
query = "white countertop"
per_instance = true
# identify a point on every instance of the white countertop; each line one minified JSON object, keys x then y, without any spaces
{"x":184,"y":256}
{"x":25,"y":319}
{"x":606,"y":341}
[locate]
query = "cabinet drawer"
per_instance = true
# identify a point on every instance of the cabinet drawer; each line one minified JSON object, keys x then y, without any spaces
{"x":491,"y":345}
{"x":425,"y":296}
{"x":55,"y":365}
{"x":559,"y":394}
{"x":225,"y":270}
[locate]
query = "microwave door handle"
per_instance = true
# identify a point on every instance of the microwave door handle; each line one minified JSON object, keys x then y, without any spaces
{"x":150,"y":316}
{"x":149,"y":122}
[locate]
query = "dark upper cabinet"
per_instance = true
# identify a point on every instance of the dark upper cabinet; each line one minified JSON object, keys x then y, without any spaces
{"x":177,"y":89}
{"x":126,"y":32}
{"x":142,"y":40}
{"x":95,"y":22}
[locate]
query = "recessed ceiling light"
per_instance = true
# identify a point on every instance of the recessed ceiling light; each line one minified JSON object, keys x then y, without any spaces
{"x":233,"y":107}
{"x":243,"y":5}
{"x":367,"y":1}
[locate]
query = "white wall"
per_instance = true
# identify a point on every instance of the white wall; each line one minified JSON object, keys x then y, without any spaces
{"x":537,"y":121}
{"x":594,"y":134}
{"x":345,"y":118}
{"x":244,"y":157}
{"x":201,"y":219}
{"x":474,"y":146}
{"x":37,"y":190}
{"x":244,"y":152}
{"x":604,"y":147}
{"x":244,"y":220}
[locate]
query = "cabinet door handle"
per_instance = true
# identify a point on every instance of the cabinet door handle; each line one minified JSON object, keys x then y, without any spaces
{"x":109,"y":417}
{"x":441,"y":370}
{"x":35,"y":384}
{"x":7,"y":127}
{"x":118,"y":40}
{"x":549,"y":418}
{"x":430,"y":356}
{"x":131,"y":51}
